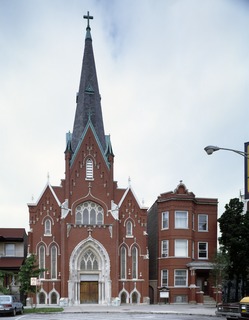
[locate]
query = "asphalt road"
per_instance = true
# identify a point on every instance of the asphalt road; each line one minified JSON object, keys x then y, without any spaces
{"x":110,"y":316}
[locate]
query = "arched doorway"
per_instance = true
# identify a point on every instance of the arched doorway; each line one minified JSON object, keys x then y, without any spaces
{"x":89,"y":273}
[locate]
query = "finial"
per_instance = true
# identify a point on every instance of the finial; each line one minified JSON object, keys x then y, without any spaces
{"x":48,"y":177}
{"x":129,"y":181}
{"x":88,"y":17}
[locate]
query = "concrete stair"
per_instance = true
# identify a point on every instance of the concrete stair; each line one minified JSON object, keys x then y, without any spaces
{"x":209,"y":300}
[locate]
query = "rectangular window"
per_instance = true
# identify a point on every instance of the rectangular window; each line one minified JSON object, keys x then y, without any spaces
{"x":165,"y":220}
{"x":193,"y":249}
{"x":181,"y":278}
{"x":202,"y":222}
{"x":165,"y":248}
{"x":181,"y":248}
{"x":164,"y":278}
{"x":202,"y":250}
{"x":181,"y":219}
{"x":10,"y":250}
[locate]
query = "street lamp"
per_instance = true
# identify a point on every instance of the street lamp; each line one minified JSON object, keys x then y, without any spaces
{"x":210,"y":149}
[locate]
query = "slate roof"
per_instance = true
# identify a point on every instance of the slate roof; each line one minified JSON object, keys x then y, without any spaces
{"x":88,"y":98}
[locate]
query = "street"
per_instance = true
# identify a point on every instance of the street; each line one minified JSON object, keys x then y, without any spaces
{"x":110,"y":316}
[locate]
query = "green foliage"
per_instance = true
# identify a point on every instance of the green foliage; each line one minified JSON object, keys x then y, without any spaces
{"x":3,"y":275}
{"x":234,"y":241}
{"x":220,"y":266}
{"x":28,"y":270}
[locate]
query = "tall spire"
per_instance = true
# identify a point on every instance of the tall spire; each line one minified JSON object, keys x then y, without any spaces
{"x":88,"y":98}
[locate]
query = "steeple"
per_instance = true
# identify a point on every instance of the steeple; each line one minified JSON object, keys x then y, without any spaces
{"x":88,"y":98}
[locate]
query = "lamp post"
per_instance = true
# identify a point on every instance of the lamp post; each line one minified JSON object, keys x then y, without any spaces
{"x":210,"y":149}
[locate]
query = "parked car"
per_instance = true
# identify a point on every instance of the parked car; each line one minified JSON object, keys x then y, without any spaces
{"x":228,"y":310}
{"x":10,"y":305}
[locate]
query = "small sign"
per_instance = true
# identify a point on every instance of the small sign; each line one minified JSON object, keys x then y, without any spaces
{"x":33,"y":281}
{"x":164,"y":294}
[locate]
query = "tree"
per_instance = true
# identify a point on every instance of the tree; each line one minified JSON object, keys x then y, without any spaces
{"x":28,"y":270}
{"x":219,"y":270}
{"x":3,"y":275}
{"x":234,"y":242}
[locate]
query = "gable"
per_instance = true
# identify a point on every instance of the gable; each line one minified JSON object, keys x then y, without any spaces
{"x":90,"y":127}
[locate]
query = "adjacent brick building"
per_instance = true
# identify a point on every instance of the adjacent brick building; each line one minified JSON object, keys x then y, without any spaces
{"x":13,"y":251}
{"x":91,"y":236}
{"x":182,"y":232}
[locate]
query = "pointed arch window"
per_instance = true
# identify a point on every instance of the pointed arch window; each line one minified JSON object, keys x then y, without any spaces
{"x":89,"y":169}
{"x":54,"y":262}
{"x":89,"y":261}
{"x":47,"y":227}
{"x":42,"y":298}
{"x":53,"y":298}
{"x":129,"y":229}
{"x":89,"y":213}
{"x":134,"y":255}
{"x":123,"y":255}
{"x":42,"y":261}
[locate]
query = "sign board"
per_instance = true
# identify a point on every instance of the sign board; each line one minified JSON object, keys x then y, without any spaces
{"x":246,"y":171}
{"x":33,"y":281}
{"x":164,"y":294}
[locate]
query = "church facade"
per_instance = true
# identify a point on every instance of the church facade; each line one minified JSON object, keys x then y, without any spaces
{"x":88,"y":234}
{"x":93,"y":238}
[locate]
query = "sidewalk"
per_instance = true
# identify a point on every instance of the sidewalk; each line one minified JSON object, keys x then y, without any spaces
{"x":190,"y":309}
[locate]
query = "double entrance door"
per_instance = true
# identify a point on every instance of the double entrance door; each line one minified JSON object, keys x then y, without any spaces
{"x":88,"y":292}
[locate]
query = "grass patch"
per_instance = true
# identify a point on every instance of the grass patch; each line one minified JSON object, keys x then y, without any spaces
{"x":42,"y":310}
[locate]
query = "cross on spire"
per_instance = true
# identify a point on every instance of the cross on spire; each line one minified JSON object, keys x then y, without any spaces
{"x":88,"y":17}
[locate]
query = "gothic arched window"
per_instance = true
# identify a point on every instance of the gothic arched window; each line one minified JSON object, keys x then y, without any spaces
{"x":42,"y":261}
{"x":89,"y":213}
{"x":89,"y":261}
{"x":47,"y":227}
{"x":53,"y":298}
{"x":123,"y":262}
{"x":54,"y":262}
{"x":42,"y":298}
{"x":129,"y":229}
{"x":134,"y":256}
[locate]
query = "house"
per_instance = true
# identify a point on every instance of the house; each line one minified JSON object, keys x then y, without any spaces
{"x":182,"y":231}
{"x":89,"y":234}
{"x":13,"y":251}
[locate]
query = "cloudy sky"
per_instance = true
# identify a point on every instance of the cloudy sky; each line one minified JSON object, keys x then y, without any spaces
{"x":173,"y":76}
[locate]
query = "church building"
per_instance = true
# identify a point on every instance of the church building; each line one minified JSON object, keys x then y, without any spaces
{"x":89,"y":235}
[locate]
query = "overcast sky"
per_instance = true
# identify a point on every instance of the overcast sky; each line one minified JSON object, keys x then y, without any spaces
{"x":173,"y":76}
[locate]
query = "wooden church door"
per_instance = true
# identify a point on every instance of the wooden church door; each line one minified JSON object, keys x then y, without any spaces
{"x":89,"y":292}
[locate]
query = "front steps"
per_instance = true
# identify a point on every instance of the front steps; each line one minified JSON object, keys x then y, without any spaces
{"x":209,"y":300}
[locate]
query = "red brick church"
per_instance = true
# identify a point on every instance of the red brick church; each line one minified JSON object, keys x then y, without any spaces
{"x":91,"y":236}
{"x":87,"y":233}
